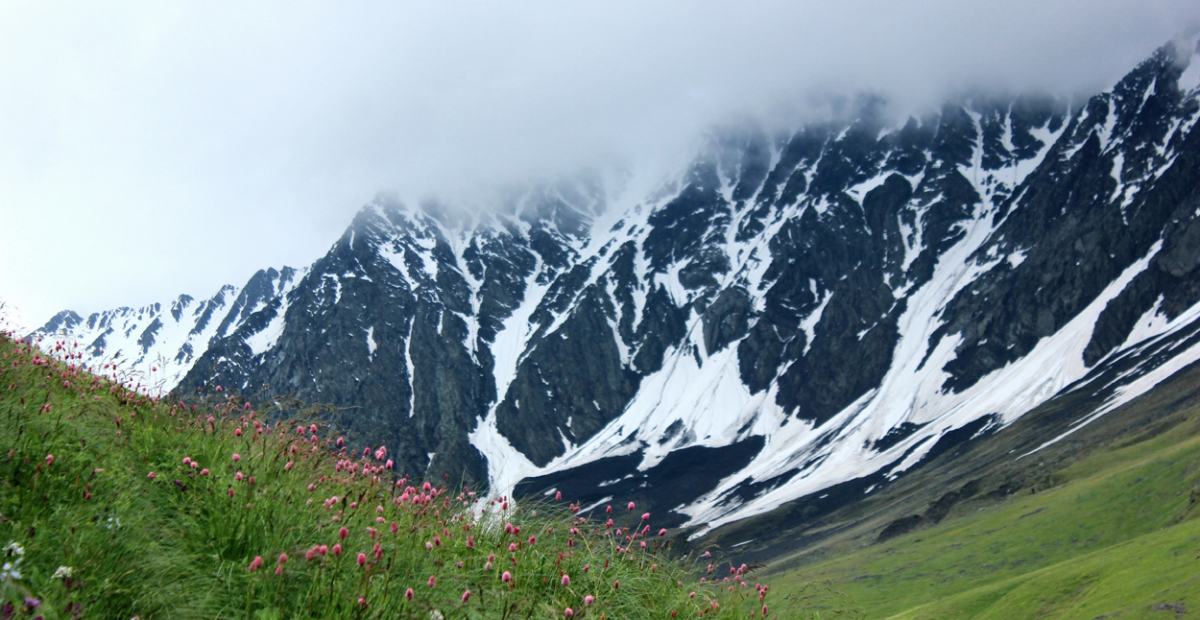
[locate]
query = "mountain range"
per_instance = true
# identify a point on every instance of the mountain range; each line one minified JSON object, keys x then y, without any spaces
{"x":795,"y":317}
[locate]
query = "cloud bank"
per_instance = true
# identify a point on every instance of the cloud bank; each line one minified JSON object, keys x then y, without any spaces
{"x":147,"y":150}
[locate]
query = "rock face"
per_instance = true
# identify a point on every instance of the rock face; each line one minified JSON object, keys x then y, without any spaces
{"x":793,"y":313}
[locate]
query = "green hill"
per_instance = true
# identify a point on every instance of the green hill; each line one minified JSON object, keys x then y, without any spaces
{"x":115,"y":505}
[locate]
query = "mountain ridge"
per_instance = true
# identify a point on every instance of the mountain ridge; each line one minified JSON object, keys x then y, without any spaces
{"x":791,"y":313}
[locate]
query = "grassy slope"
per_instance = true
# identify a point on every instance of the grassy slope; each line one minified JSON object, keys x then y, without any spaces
{"x":1114,"y":537}
{"x":181,"y":543}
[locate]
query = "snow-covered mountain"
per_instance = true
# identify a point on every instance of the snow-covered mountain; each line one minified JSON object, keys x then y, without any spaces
{"x":792,"y":312}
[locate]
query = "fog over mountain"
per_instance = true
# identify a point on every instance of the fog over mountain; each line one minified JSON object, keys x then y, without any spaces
{"x":792,"y":322}
{"x":148,"y":150}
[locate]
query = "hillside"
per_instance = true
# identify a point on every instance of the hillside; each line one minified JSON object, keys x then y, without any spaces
{"x":114,"y":504}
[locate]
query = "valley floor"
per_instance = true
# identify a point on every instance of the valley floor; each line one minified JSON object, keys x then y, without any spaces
{"x":1115,"y":536}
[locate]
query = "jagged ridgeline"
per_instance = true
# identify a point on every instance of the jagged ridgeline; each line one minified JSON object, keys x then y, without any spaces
{"x":800,"y":316}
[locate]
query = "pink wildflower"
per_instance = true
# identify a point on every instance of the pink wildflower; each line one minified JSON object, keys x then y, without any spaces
{"x":408,"y":594}
{"x":204,"y":472}
{"x":506,"y":577}
{"x":362,"y":559}
{"x":337,"y":550}
{"x":236,"y":457}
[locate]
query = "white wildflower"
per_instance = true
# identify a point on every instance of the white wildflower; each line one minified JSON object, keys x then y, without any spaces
{"x":63,"y":572}
{"x":10,"y":571}
{"x":15,"y":548}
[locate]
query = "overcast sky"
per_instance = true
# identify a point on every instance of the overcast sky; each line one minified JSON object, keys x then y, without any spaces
{"x":151,"y":149}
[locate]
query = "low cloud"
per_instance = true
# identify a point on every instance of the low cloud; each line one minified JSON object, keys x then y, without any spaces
{"x":148,"y":150}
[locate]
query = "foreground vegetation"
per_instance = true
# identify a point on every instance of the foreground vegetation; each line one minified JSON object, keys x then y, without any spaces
{"x":116,"y":505}
{"x":1116,"y":535}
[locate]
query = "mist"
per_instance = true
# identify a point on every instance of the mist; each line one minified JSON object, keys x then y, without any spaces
{"x":152,"y":150}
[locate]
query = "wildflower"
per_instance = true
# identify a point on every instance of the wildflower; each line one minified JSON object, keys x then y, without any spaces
{"x":466,"y":595}
{"x":432,"y":581}
{"x":608,"y":509}
{"x":343,"y":533}
{"x":237,"y":432}
{"x":566,"y":580}
{"x":558,"y":495}
{"x":204,"y":472}
{"x":187,"y":460}
{"x":337,"y":550}
{"x":589,"y":599}
{"x":150,"y":476}
{"x":287,"y":467}
{"x":506,"y":577}
{"x":616,"y":584}
{"x":362,"y":559}
{"x":236,"y":457}
{"x":256,"y":563}
{"x":238,"y":476}
{"x":362,"y":601}
{"x":49,"y":460}
{"x":408,"y":594}
{"x":63,"y":572}
{"x":532,"y":539}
